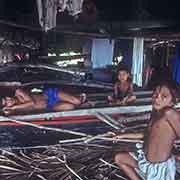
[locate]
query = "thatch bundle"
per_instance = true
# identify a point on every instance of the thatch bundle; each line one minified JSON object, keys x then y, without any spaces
{"x":60,"y":162}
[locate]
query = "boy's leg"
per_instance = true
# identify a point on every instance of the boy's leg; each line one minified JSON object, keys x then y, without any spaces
{"x":63,"y":107}
{"x":126,"y":162}
{"x":69,"y":98}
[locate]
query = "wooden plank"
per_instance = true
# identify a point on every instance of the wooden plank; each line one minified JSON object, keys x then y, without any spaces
{"x":137,"y":93}
{"x":82,"y":112}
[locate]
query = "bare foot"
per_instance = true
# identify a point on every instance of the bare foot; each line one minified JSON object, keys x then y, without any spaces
{"x":83,"y":98}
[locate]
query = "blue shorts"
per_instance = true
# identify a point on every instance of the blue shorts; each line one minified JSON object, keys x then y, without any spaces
{"x":52,"y":94}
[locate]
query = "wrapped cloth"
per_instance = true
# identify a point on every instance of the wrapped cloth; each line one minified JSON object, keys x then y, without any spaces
{"x":165,"y":170}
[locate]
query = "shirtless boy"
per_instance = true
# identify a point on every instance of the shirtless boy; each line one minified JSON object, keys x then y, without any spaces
{"x":155,"y":160}
{"x":51,"y":98}
{"x":123,"y":88}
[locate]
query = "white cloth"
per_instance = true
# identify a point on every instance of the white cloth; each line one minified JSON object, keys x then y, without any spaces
{"x":47,"y":10}
{"x":40,"y":12}
{"x":154,"y":171}
{"x":73,"y":6}
{"x":137,"y":62}
{"x":102,"y":52}
{"x":47,"y":15}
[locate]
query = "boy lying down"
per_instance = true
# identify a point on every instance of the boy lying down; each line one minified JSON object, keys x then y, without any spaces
{"x":50,"y":99}
{"x":154,"y":159}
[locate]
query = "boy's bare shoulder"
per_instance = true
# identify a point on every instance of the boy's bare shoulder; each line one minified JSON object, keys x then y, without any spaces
{"x":171,"y":113}
{"x":173,"y":118}
{"x":19,"y":91}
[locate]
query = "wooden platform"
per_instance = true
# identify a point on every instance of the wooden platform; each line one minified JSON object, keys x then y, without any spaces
{"x":51,"y":127}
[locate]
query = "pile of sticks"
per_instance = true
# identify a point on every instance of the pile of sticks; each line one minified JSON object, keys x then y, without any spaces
{"x":82,"y":158}
{"x":78,"y":161}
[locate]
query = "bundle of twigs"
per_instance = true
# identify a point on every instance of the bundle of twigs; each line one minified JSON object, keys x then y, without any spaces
{"x":60,"y":162}
{"x":67,"y":161}
{"x":84,"y":158}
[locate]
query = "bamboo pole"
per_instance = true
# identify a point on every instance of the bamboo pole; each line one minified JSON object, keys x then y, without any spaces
{"x":43,"y":127}
{"x":134,"y":118}
{"x":108,"y":121}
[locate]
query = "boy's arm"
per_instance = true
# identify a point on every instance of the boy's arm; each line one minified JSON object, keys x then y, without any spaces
{"x":130,"y":136}
{"x":25,"y":106}
{"x":25,"y":101}
{"x":116,"y":90}
{"x":173,"y":118}
{"x":22,"y":96}
{"x":127,"y":135}
{"x":112,"y":98}
{"x":129,"y":99}
{"x":131,"y":90}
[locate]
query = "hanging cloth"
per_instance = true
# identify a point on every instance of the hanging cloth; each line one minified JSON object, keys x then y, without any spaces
{"x":72,"y":6}
{"x":40,"y":12}
{"x":137,"y":62}
{"x":176,"y":65}
{"x":102,"y":52}
{"x":47,"y":11}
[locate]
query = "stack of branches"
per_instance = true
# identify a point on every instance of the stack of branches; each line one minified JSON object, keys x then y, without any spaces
{"x":69,"y":161}
{"x":86,"y":158}
{"x":77,"y":161}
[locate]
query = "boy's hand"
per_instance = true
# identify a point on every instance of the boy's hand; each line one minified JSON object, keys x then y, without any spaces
{"x":119,"y":136}
{"x":115,"y":135}
{"x":110,"y":98}
{"x":118,"y":102}
{"x":124,"y":101}
{"x":8,"y":110}
{"x":111,"y":134}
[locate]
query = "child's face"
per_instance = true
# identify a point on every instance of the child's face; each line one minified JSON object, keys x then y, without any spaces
{"x":123,"y":75}
{"x":162,"y":98}
{"x":8,"y":101}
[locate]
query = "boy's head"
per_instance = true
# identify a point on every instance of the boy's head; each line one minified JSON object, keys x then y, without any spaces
{"x":165,"y":95}
{"x":8,"y":101}
{"x":123,"y":74}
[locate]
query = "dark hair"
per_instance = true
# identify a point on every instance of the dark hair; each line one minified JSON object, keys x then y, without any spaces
{"x":173,"y":88}
{"x":1,"y":105}
{"x":4,"y":96}
{"x":122,"y":67}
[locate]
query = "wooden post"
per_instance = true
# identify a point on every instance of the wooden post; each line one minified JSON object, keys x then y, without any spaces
{"x":44,"y":44}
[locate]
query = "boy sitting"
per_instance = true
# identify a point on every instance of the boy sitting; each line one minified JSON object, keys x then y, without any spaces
{"x":155,"y":161}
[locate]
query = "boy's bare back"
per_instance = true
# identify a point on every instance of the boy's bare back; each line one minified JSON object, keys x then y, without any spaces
{"x":163,"y":130}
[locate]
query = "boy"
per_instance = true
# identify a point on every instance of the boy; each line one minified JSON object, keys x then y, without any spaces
{"x":51,"y":98}
{"x":123,"y":88}
{"x":155,"y":161}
